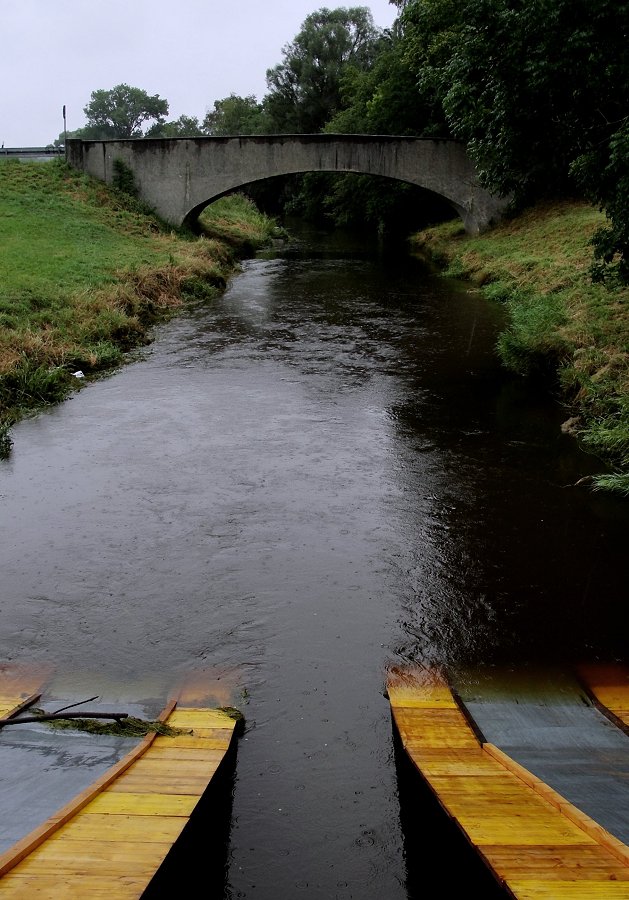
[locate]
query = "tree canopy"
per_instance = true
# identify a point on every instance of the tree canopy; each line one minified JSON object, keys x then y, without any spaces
{"x":538,"y":90}
{"x":235,"y":115}
{"x":184,"y":126}
{"x":305,"y":89}
{"x":121,"y":111}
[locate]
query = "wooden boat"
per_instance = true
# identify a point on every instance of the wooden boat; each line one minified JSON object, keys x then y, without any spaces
{"x":110,"y":840}
{"x":537,"y":844}
{"x":20,"y":687}
{"x":608,"y":687}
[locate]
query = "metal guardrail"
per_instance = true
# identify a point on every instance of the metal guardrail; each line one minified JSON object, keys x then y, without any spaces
{"x":31,"y":152}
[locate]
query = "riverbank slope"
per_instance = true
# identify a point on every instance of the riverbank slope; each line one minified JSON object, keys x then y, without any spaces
{"x":563,"y":329}
{"x":86,"y":271}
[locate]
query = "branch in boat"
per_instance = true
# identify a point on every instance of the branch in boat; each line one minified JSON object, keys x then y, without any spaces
{"x":46,"y":717}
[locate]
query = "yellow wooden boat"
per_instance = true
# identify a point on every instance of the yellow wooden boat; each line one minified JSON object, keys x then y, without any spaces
{"x":608,"y":686}
{"x":537,"y":844}
{"x":110,"y":840}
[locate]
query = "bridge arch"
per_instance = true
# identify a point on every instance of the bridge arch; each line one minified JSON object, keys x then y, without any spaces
{"x":178,"y":177}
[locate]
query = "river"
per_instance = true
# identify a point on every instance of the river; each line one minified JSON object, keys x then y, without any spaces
{"x":321,"y":474}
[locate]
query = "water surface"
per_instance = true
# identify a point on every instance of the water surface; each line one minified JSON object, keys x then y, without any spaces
{"x":321,"y":474}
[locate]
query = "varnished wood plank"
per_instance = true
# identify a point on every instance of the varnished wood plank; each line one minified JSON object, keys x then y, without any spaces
{"x":193,"y":741}
{"x":433,"y":728}
{"x":67,"y":858}
{"x":564,"y":863}
{"x":431,"y":716}
{"x":156,"y":764}
{"x":451,"y":761}
{"x":144,"y":804}
{"x":499,"y":783}
{"x":517,"y":830}
{"x":122,"y":827}
{"x":203,"y":718}
{"x":199,"y":754}
{"x":571,"y":890}
{"x":81,"y":887}
{"x":188,"y":785}
{"x":416,"y":687}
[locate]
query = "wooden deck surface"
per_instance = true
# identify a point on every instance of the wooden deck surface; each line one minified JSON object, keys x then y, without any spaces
{"x":110,"y":840}
{"x":538,"y":845}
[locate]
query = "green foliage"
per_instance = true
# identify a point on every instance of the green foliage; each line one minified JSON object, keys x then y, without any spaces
{"x":129,"y":726}
{"x":30,"y":385}
{"x":123,"y":178}
{"x":237,"y":221}
{"x":6,"y":441}
{"x":235,"y":115}
{"x":184,"y":126}
{"x":532,"y":344}
{"x":305,"y":89}
{"x":364,"y":202}
{"x":385,"y":98}
{"x":604,"y":174}
{"x":616,"y":482}
{"x":121,"y":112}
{"x":537,"y":91}
{"x":430,"y":32}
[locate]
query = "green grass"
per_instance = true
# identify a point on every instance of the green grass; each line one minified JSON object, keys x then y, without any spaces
{"x":561,"y":326}
{"x":237,"y":222}
{"x":85,"y":271}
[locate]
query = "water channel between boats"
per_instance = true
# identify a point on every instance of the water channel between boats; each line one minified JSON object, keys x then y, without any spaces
{"x":321,"y":474}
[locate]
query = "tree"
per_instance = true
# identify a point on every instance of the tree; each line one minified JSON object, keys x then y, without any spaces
{"x":305,"y":89}
{"x":184,"y":126}
{"x":385,"y":98}
{"x":538,"y":92}
{"x":528,"y":86}
{"x":235,"y":115}
{"x":121,"y":111}
{"x":604,"y":174}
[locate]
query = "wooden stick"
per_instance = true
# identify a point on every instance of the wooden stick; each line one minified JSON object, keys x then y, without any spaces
{"x":46,"y":717}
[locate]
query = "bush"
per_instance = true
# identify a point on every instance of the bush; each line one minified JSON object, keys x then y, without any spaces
{"x":123,"y":178}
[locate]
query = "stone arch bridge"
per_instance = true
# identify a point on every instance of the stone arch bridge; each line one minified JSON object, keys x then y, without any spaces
{"x":178,"y":177}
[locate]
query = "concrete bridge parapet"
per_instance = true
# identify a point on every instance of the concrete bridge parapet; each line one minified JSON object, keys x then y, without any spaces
{"x":178,"y":177}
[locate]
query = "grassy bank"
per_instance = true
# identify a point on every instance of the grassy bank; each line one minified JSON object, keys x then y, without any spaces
{"x":562,"y":328}
{"x":85,"y":271}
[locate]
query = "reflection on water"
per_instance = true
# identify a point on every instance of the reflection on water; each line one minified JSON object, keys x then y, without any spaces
{"x":322,"y":473}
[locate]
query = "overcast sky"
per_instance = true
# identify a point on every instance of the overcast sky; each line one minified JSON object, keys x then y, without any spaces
{"x":190,"y":52}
